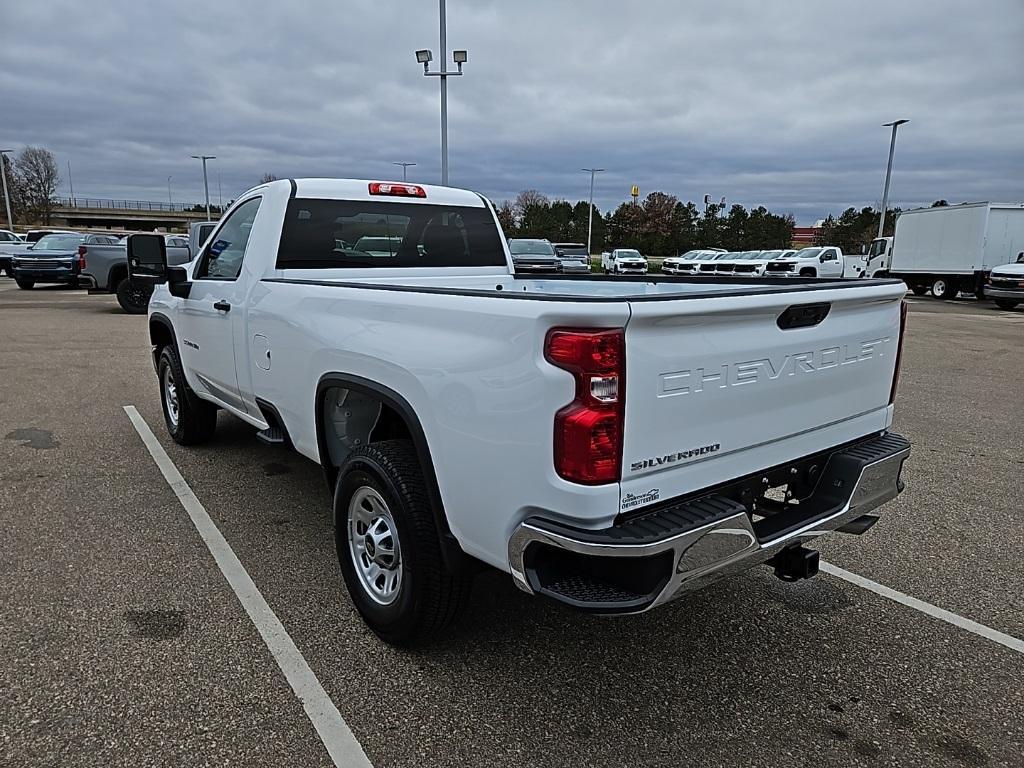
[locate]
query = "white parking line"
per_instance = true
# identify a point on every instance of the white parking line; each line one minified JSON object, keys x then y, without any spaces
{"x":334,"y":732}
{"x":1013,"y":643}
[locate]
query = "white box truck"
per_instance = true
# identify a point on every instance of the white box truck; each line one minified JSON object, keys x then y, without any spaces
{"x":951,"y":248}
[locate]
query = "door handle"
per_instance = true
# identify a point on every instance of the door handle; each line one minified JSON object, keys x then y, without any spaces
{"x":222,"y":306}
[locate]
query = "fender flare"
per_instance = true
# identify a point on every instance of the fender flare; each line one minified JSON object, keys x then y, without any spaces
{"x":451,"y":550}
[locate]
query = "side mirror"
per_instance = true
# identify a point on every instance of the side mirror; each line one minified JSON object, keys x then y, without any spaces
{"x":821,"y":258}
{"x":147,"y":259}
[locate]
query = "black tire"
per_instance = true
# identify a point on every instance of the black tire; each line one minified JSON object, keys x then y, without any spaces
{"x":979,"y":293}
{"x":1006,"y":303}
{"x":26,"y":285}
{"x":945,"y":288}
{"x":919,"y":290}
{"x":133,"y":297}
{"x":429,"y":597}
{"x":8,"y":271}
{"x":196,"y":419}
{"x":808,"y":272}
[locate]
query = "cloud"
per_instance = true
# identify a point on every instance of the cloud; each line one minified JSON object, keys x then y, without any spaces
{"x":762,"y":103}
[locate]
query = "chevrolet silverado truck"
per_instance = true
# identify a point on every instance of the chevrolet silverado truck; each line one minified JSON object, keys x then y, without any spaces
{"x":611,"y":443}
{"x":106,"y":267}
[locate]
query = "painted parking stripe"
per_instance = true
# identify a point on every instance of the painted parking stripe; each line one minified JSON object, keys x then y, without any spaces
{"x":1013,"y":643}
{"x":334,"y":732}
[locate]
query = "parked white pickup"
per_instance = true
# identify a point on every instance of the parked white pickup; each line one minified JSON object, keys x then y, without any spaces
{"x":609,"y":443}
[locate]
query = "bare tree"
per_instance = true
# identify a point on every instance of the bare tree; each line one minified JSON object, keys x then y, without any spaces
{"x":266,"y":178}
{"x":38,"y":178}
{"x":13,"y":190}
{"x":527,"y":199}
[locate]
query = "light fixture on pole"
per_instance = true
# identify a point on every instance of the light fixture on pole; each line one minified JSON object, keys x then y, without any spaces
{"x":206,"y":185}
{"x":3,"y":174}
{"x":888,"y":172}
{"x":404,"y":167}
{"x":424,"y":57}
{"x":590,"y":211}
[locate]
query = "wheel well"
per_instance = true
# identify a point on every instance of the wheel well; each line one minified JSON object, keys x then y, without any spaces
{"x":350,"y":418}
{"x":808,"y":272}
{"x":160,"y":335}
{"x":117,"y":273}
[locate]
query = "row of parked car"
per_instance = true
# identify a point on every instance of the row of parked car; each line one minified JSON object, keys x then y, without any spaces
{"x":80,"y":259}
{"x":538,"y":255}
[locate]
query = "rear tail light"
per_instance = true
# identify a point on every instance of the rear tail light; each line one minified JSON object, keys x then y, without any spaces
{"x":396,"y":190}
{"x":899,"y":352}
{"x":81,"y":257}
{"x":588,"y":431}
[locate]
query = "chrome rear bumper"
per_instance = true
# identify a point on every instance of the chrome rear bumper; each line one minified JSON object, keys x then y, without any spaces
{"x":717,"y":537}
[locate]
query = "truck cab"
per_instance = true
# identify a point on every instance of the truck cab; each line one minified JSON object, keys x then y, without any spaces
{"x":878,"y":256}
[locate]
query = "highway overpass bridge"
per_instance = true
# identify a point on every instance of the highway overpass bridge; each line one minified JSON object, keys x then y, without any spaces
{"x":92,"y":213}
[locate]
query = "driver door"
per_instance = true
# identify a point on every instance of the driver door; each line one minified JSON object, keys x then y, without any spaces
{"x":212,"y":318}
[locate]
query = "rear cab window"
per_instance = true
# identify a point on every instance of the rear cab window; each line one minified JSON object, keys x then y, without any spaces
{"x":357,"y":234}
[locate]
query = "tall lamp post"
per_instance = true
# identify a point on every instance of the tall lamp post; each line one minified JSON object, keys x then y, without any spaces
{"x":424,"y":57}
{"x":405,"y":166}
{"x":888,"y":173}
{"x":206,"y":185}
{"x":590,"y":211}
{"x":169,"y":201}
{"x":7,"y":197}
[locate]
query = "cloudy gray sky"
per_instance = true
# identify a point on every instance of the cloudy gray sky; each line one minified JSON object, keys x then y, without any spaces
{"x":778,"y":104}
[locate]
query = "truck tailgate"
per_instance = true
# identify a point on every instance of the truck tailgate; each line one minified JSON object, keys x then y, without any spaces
{"x":723,"y":387}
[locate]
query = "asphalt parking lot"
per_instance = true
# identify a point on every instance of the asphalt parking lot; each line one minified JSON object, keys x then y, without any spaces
{"x":121,"y":643}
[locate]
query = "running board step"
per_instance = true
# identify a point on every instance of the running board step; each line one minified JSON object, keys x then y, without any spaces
{"x":272,"y":436}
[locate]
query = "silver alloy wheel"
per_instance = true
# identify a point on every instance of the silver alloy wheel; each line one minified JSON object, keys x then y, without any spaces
{"x":373,"y":545}
{"x":170,"y":397}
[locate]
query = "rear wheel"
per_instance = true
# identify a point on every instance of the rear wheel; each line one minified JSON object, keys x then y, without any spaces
{"x":944,"y":288}
{"x":25,"y":284}
{"x":1006,"y":303}
{"x":919,"y":290}
{"x":189,"y":420}
{"x":389,"y":547}
{"x":133,"y":297}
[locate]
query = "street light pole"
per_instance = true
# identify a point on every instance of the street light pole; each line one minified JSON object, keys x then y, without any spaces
{"x":424,"y":57}
{"x":71,"y":184}
{"x":590,"y":211}
{"x":169,"y":201}
{"x":404,"y":167}
{"x":3,"y":174}
{"x":888,"y":173}
{"x":206,"y":185}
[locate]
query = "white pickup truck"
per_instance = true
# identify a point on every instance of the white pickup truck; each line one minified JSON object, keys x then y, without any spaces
{"x":610,"y":443}
{"x":827,"y":261}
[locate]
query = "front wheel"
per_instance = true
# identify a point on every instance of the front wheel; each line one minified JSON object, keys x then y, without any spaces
{"x":189,"y":420}
{"x":1006,"y":303}
{"x":389,"y":548}
{"x":26,"y":285}
{"x":133,"y":297}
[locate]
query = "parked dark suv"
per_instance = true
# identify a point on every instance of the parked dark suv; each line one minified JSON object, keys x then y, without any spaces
{"x":55,"y":258}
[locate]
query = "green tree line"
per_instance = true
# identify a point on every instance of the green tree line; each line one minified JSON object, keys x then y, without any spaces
{"x":659,"y":225}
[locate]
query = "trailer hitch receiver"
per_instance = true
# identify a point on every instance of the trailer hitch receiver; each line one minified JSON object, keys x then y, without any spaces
{"x":795,"y":563}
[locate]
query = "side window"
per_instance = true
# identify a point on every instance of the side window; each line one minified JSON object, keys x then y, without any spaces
{"x":222,"y":258}
{"x":830,"y":255}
